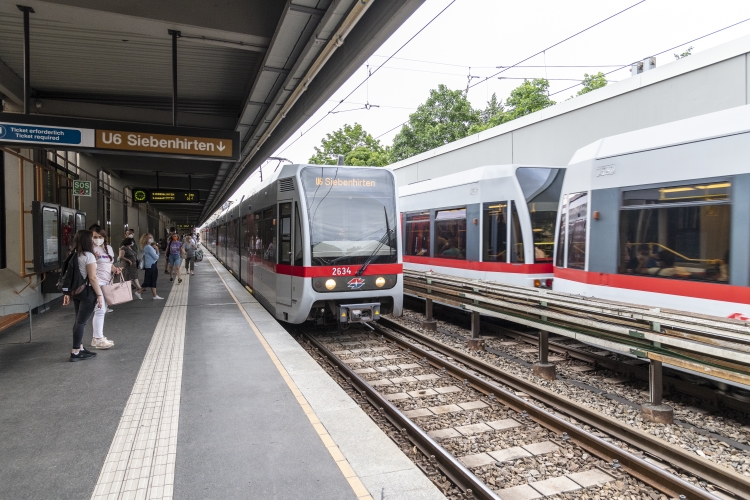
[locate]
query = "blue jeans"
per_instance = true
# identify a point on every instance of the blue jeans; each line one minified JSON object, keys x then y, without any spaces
{"x":174,"y":259}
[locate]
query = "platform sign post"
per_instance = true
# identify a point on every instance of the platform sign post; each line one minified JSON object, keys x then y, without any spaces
{"x":81,"y":188}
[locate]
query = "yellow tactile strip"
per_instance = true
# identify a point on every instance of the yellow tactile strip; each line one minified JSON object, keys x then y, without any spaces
{"x":141,"y":459}
{"x":333,"y":449}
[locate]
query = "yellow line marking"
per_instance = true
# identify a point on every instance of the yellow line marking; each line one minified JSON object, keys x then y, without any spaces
{"x":338,"y":457}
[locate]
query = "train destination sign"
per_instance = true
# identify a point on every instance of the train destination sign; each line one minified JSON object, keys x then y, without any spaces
{"x":127,"y":138}
{"x":331,"y":181}
{"x":165,"y":196}
{"x":163,"y":143}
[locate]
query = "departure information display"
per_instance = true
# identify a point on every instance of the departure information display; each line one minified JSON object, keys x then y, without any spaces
{"x":165,"y":196}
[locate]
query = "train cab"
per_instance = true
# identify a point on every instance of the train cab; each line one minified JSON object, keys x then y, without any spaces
{"x":493,"y":223}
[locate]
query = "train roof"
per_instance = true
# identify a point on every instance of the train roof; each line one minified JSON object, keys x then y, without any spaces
{"x":485,"y":172}
{"x":699,"y":128}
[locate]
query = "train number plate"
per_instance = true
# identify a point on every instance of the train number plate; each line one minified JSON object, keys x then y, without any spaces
{"x":342,"y":271}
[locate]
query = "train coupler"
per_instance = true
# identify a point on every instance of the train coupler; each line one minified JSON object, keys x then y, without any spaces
{"x":358,"y":313}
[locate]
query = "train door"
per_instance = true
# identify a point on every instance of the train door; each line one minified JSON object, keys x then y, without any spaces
{"x":284,"y":274}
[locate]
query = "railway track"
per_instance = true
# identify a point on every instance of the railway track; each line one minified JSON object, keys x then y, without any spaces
{"x":468,"y":416}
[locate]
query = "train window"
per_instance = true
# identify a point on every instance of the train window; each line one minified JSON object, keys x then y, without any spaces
{"x":352,"y":215}
{"x":560,"y":258}
{"x":495,"y":232}
{"x":541,"y":187}
{"x":267,"y":232}
{"x":417,"y":240}
{"x":577,"y":217}
{"x":678,"y":232}
{"x":450,"y":234}
{"x":285,"y":233}
{"x":297,"y":237}
{"x":516,"y":235}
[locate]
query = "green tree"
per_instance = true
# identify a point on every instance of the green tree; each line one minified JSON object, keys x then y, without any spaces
{"x":491,"y":116}
{"x":592,"y":82}
{"x":354,"y":143}
{"x":444,"y":117}
{"x":528,"y":97}
{"x":688,"y":52}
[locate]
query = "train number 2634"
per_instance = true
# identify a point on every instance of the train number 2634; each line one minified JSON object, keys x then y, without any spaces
{"x":341,"y":271}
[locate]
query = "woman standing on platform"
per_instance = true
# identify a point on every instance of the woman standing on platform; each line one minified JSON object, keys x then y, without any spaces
{"x":150,"y":257}
{"x":90,"y":299}
{"x":105,"y":268}
{"x":129,"y":266}
{"x":174,"y":254}
{"x":189,"y":247}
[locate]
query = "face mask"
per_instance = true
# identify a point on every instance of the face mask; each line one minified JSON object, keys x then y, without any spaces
{"x":150,"y":240}
{"x":98,"y":241}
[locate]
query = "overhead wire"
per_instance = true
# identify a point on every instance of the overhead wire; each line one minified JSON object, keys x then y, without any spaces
{"x":562,"y":41}
{"x":370,"y":75}
{"x":663,"y":51}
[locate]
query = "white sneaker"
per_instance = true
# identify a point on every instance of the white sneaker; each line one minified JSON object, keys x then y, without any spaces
{"x":158,"y":298}
{"x":101,"y":343}
{"x":138,"y":295}
{"x":110,"y":310}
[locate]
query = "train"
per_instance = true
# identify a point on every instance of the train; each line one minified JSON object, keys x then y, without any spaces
{"x":659,"y":216}
{"x":495,"y":222}
{"x":316,"y":243}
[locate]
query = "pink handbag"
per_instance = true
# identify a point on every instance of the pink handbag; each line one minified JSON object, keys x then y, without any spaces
{"x":117,"y":293}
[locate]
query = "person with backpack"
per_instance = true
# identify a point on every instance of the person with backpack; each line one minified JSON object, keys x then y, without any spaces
{"x":81,"y":285}
{"x":105,"y":268}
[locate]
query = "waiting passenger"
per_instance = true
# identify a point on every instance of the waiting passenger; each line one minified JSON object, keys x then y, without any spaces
{"x":105,"y":268}
{"x":129,"y":266}
{"x":150,"y":258}
{"x":172,"y":232}
{"x":174,"y":256}
{"x":190,"y":247}
{"x":90,"y":299}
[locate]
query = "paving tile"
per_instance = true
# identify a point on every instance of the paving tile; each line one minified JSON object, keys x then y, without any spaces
{"x":419,"y":412}
{"x":477,"y":460}
{"x":438,"y":410}
{"x":364,"y":370}
{"x":447,"y":390}
{"x":402,"y":380}
{"x":382,"y":381}
{"x":472,"y":405}
{"x":509,"y":454}
{"x":591,"y":477}
{"x":507,"y":423}
{"x":422,"y":393}
{"x":522,"y":492}
{"x":444,"y":433}
{"x":396,"y":396}
{"x":555,"y":485}
{"x":352,"y":361}
{"x":410,"y":366}
{"x":541,"y":448}
{"x":468,"y":430}
{"x":430,"y":376}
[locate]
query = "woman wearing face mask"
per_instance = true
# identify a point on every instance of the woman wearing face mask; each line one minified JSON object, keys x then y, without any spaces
{"x":129,"y":266}
{"x":105,"y":268}
{"x":189,"y":247}
{"x":174,"y":254}
{"x":150,"y":257}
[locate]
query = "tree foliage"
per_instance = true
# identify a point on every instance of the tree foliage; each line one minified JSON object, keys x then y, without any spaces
{"x":444,"y":117}
{"x":528,"y":97}
{"x":592,"y":82}
{"x":687,"y":52}
{"x":357,"y":146}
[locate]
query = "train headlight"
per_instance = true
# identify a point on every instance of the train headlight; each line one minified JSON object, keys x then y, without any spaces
{"x":380,"y":282}
{"x":330,"y":284}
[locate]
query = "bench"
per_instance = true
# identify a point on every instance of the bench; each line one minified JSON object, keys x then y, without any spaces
{"x":13,"y":319}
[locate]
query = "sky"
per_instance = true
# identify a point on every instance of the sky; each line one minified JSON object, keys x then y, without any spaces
{"x":476,"y":36}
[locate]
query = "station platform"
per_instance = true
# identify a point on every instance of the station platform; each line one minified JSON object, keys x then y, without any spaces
{"x":204,"y":395}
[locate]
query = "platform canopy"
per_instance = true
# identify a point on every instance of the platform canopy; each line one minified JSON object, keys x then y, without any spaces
{"x":257,"y":67}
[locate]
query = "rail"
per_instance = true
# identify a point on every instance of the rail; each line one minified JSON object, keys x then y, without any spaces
{"x":662,"y":479}
{"x":715,"y":347}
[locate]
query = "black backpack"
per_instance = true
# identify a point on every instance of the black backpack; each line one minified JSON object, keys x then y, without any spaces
{"x":71,"y":282}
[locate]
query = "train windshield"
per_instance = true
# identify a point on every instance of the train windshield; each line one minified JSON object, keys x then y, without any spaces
{"x":352,"y":215}
{"x":541,"y":187}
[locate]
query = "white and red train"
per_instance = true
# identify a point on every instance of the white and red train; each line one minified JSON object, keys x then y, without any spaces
{"x":658,"y":216}
{"x":316,"y":242}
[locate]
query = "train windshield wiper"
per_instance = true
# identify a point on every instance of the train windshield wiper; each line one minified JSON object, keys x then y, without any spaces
{"x":383,"y":239}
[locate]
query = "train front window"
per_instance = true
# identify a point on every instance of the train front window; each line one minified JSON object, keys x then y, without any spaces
{"x":352,"y":215}
{"x":677,"y":232}
{"x":541,"y":187}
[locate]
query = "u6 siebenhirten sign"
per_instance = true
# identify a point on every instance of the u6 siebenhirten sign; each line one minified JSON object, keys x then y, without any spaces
{"x":167,"y":144}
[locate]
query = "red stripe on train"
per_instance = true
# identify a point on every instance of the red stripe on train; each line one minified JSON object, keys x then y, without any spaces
{"x":327,"y":271}
{"x":681,"y":288}
{"x":496,"y":267}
